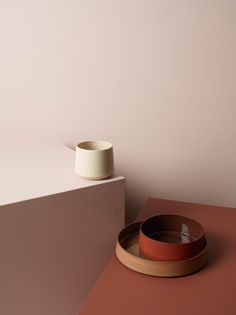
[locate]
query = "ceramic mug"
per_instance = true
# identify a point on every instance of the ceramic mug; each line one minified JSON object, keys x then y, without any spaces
{"x":94,"y":159}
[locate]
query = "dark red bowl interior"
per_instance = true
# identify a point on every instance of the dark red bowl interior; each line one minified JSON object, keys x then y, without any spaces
{"x":171,"y":237}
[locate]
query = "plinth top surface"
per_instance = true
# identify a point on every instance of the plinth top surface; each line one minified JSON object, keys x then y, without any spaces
{"x":33,"y":171}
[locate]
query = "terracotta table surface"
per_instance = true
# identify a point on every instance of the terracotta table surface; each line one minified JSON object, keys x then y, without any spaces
{"x":212,"y":290}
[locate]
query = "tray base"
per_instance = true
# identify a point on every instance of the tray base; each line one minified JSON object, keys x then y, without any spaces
{"x":127,"y":251}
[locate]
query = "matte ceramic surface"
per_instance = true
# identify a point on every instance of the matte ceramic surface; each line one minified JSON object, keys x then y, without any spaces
{"x":94,"y":160}
{"x":171,"y":238}
{"x":127,"y":251}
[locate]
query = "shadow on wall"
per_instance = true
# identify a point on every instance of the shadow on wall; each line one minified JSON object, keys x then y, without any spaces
{"x":134,"y":202}
{"x":197,"y":175}
{"x":196,"y":189}
{"x":200,"y":184}
{"x":136,"y":194}
{"x":70,"y":146}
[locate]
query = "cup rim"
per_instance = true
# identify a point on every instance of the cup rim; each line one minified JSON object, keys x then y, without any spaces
{"x":99,"y":145}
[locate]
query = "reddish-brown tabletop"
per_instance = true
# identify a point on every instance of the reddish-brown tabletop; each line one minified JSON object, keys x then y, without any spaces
{"x":212,"y":290}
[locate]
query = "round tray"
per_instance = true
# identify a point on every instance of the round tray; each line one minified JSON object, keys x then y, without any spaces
{"x":127,"y":251}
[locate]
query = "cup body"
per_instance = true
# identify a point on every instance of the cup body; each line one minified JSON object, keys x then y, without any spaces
{"x":94,"y":159}
{"x":171,"y":238}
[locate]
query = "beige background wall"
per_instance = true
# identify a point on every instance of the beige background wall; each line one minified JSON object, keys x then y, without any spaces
{"x":157,"y":78}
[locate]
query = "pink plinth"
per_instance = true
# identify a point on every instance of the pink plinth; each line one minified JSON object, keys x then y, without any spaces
{"x":211,"y":291}
{"x":57,"y":231}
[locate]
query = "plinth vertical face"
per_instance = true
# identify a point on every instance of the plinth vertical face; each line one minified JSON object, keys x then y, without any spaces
{"x":94,"y":160}
{"x":50,"y":260}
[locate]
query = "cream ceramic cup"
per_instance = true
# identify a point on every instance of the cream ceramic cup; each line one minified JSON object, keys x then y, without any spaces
{"x":94,"y":159}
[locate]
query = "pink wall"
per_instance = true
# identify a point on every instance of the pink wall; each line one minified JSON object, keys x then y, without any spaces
{"x":157,"y":78}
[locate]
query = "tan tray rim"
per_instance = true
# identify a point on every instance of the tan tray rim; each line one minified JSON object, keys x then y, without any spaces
{"x":154,"y":267}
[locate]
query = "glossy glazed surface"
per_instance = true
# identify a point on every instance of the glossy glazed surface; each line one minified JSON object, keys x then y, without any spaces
{"x":171,"y":237}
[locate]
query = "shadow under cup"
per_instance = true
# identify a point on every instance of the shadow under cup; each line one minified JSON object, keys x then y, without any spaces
{"x":94,"y":159}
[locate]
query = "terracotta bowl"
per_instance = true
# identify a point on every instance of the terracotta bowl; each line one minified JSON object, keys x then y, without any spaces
{"x":171,"y":238}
